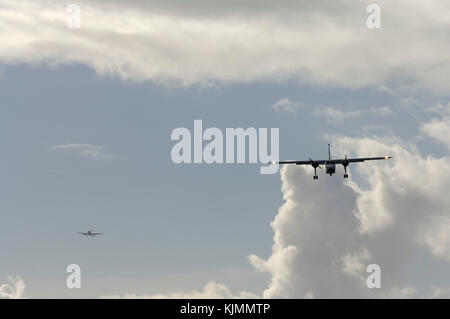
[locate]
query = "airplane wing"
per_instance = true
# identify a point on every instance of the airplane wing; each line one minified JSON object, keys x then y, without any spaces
{"x":360,"y":159}
{"x":321,"y":162}
{"x":97,"y":234}
{"x":82,"y":233}
{"x":333,"y":161}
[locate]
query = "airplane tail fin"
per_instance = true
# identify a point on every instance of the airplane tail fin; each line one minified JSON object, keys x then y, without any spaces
{"x":329,"y":152}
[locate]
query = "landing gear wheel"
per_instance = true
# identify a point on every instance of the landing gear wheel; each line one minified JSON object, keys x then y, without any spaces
{"x":316,"y":177}
{"x":345,"y":175}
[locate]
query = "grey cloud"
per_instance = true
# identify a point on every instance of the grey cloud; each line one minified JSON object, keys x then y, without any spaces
{"x":324,"y":43}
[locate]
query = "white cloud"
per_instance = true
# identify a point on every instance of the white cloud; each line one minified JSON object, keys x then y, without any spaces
{"x":286,"y":105}
{"x":438,"y":129}
{"x":14,"y":290}
{"x":328,"y":231}
{"x":406,"y":292}
{"x":332,"y":114}
{"x":438,"y":292}
{"x":355,"y":265}
{"x":323,"y":43}
{"x":86,"y":150}
{"x":211,"y":290}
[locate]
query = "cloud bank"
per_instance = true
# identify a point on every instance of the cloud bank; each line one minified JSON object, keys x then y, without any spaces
{"x":324,"y":43}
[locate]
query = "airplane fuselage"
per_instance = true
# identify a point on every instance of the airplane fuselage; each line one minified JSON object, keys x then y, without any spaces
{"x":330,"y":169}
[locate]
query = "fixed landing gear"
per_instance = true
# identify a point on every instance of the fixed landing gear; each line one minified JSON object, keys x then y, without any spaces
{"x":345,"y":164}
{"x":315,"y":164}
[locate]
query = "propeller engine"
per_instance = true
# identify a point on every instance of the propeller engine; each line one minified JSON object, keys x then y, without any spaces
{"x":315,"y":164}
{"x":345,"y":163}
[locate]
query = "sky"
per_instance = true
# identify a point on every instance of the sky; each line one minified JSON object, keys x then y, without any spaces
{"x":87,"y":113}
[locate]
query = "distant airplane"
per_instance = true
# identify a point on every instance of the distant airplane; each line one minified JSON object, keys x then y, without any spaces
{"x":90,"y":233}
{"x":330,"y":164}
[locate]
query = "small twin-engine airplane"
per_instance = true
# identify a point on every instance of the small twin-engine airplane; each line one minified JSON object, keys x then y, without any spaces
{"x":90,"y":233}
{"x":330,"y":164}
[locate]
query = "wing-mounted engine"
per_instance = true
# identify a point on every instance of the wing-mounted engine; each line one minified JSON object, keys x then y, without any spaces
{"x":345,"y":163}
{"x":315,"y":164}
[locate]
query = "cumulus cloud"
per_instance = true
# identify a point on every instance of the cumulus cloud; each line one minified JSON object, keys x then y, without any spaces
{"x":211,"y":290}
{"x":203,"y":42}
{"x":14,"y":290}
{"x":86,"y":150}
{"x":328,"y":231}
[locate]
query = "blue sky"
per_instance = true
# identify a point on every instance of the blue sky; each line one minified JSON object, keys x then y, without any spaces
{"x":175,"y":227}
